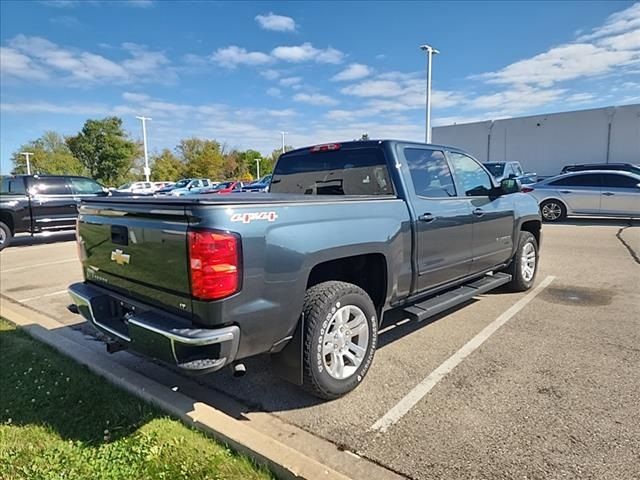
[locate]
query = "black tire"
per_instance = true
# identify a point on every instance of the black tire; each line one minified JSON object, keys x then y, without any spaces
{"x":520,"y":281}
{"x":549,"y":210}
{"x":5,"y":236}
{"x":320,"y":303}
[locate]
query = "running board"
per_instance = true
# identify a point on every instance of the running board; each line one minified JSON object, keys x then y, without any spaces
{"x":444,"y":301}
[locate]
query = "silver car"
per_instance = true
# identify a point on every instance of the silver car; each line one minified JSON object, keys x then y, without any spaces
{"x":594,"y":192}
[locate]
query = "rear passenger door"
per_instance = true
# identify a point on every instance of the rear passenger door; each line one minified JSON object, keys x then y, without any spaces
{"x":620,"y":194}
{"x":581,"y":192}
{"x":443,"y":221}
{"x":493,"y":216}
{"x":53,"y":204}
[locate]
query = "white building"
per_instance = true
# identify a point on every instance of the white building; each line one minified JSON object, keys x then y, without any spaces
{"x":545,"y":143}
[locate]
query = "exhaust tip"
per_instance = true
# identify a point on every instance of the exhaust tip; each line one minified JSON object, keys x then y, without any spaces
{"x":239,"y":370}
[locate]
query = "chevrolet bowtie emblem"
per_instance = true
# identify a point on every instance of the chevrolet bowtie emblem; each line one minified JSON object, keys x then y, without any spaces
{"x":120,"y":257}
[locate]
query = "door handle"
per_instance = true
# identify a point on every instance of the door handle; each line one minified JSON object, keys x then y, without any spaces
{"x":565,"y":191}
{"x":608,"y":194}
{"x":478,"y":212}
{"x":426,"y":217}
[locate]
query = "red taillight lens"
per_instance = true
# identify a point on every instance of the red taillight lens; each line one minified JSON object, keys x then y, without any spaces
{"x":328,"y":147}
{"x":214,"y":263}
{"x":526,"y":189}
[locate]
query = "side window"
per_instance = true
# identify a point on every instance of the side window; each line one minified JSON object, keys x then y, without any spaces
{"x":147,"y":185}
{"x":430,"y":173}
{"x":475,"y":181}
{"x":583,"y":180}
{"x":518,"y":169}
{"x":85,"y":186}
{"x":619,"y":181}
{"x":12,"y":186}
{"x":49,"y":186}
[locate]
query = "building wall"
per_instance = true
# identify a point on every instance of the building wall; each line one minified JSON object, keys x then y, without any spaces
{"x":545,"y":143}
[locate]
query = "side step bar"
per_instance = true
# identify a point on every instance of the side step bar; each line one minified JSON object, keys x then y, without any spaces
{"x":444,"y":301}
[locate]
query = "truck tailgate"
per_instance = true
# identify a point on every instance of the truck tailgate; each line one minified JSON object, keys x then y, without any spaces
{"x":139,"y":250}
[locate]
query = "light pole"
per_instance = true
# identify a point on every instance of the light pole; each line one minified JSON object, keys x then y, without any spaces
{"x":147,"y":170}
{"x":27,"y":155}
{"x":283,"y":134}
{"x":257,"y":169}
{"x":430,"y":53}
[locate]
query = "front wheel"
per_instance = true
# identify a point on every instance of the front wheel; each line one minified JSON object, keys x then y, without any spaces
{"x":524,"y":265}
{"x":5,"y":235}
{"x":341,"y":333}
{"x":553,"y":211}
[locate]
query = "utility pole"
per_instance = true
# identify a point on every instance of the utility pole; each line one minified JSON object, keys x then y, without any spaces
{"x":283,"y":134}
{"x":27,"y":155}
{"x":430,"y":53}
{"x":147,"y":170}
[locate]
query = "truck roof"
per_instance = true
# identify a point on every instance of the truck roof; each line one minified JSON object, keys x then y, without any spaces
{"x":378,"y":142}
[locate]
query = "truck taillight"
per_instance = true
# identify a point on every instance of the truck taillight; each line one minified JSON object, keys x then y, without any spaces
{"x":214,"y":264}
{"x":327,"y":147}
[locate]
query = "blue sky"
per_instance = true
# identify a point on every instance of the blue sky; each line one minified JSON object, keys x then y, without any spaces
{"x":241,"y":72}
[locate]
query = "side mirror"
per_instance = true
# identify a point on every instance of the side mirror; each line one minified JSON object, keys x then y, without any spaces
{"x":510,"y":185}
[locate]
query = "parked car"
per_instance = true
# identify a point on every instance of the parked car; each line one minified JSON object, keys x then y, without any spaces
{"x":624,"y":167}
{"x":595,"y":192}
{"x":159,"y":185}
{"x":39,"y":203}
{"x":225,"y":187}
{"x":305,"y":272}
{"x":502,"y":170}
{"x":185,"y":186}
{"x":136,"y":188}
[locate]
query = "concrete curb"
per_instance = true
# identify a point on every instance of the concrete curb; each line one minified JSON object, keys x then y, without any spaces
{"x":281,"y":459}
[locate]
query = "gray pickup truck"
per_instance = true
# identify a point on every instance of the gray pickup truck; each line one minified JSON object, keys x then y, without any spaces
{"x":306,"y":272}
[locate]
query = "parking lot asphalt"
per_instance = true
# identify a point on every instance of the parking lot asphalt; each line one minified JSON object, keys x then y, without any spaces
{"x":552,"y":393}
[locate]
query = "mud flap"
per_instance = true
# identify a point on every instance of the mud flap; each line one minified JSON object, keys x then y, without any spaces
{"x":287,"y":363}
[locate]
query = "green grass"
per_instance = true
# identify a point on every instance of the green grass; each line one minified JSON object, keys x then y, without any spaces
{"x":58,"y":420}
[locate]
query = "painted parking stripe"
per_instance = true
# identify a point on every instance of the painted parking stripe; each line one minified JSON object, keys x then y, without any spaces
{"x":52,"y":294}
{"x":27,"y":267}
{"x":425,"y":386}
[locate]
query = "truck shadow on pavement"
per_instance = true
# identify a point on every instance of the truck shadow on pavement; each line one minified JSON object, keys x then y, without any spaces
{"x":28,"y":240}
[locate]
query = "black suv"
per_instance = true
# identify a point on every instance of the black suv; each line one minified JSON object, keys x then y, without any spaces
{"x":580,"y":167}
{"x":38,"y":203}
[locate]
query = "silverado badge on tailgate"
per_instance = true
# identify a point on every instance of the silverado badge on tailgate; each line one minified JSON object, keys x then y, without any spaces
{"x":120,"y":257}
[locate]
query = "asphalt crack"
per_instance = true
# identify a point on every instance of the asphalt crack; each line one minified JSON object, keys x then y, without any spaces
{"x":629,"y":248}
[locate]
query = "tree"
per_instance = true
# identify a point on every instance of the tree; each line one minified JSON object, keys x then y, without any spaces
{"x":202,"y":158}
{"x":104,"y":149}
{"x":50,"y":156}
{"x":166,"y":166}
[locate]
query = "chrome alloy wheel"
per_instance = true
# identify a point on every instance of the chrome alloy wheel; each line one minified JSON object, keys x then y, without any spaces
{"x":528,"y":261}
{"x":345,"y":342}
{"x":551,"y":211}
{"x":3,"y":237}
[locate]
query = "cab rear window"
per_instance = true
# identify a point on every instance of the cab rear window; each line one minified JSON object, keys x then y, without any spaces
{"x":360,"y":171}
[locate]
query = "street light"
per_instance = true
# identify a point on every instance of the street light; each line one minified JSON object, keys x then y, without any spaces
{"x":257,"y":168}
{"x":283,"y":134}
{"x":430,"y":53}
{"x":27,"y":156}
{"x":147,"y":170}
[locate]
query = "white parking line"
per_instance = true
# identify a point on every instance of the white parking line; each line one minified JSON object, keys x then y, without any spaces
{"x":52,"y":294}
{"x":27,"y":267}
{"x":425,"y":386}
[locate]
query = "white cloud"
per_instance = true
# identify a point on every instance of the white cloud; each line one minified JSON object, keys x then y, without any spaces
{"x":274,"y":92}
{"x":518,"y":99}
{"x":314,"y":99}
{"x":278,"y":23}
{"x":63,"y":109}
{"x":270,"y":74}
{"x":307,"y":52}
{"x":233,"y":56}
{"x":15,"y":64}
{"x":355,"y":71}
{"x":374,"y":88}
{"x":619,"y":22}
{"x":289,"y":81}
{"x":78,"y":68}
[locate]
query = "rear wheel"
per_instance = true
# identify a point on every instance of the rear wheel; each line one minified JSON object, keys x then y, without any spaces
{"x":5,"y":235}
{"x":553,"y":210}
{"x":524,"y":265}
{"x":341,"y":333}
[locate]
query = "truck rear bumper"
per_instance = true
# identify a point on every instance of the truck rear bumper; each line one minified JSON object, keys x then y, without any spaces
{"x":152,"y":334}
